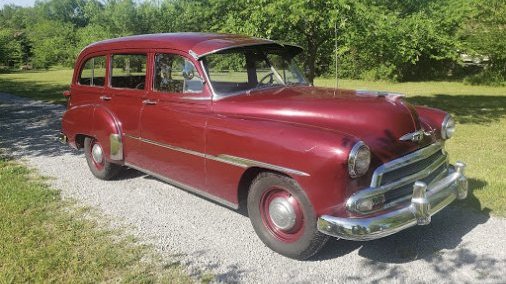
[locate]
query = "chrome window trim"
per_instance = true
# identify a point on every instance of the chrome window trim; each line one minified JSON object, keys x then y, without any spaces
{"x":405,"y":160}
{"x":186,"y":187}
{"x":223,"y":158}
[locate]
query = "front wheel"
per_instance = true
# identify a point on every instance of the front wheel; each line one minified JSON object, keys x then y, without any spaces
{"x":283,"y":217}
{"x":97,"y":162}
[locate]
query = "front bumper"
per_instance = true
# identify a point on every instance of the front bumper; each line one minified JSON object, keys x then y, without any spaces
{"x":425,"y":202}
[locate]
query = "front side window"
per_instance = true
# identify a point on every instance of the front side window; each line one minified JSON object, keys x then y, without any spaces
{"x":93,"y":72}
{"x":128,"y":71}
{"x":255,"y":67}
{"x":176,"y":74}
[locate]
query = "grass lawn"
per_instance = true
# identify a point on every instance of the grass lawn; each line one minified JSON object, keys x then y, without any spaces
{"x":480,"y":111}
{"x":45,"y":239}
{"x":42,"y":85}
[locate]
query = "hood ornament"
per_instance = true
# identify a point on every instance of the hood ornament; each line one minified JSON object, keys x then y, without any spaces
{"x":416,"y":136}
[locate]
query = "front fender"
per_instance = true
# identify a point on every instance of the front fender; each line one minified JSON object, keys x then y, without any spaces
{"x":431,"y":118}
{"x":315,"y":157}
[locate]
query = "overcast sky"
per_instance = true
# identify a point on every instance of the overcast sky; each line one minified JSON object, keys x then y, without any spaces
{"x":24,"y":3}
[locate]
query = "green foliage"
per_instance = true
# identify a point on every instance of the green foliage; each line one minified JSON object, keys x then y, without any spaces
{"x":402,"y":41}
{"x":54,"y":41}
{"x":399,"y":40}
{"x":485,"y":35}
{"x":10,"y":48}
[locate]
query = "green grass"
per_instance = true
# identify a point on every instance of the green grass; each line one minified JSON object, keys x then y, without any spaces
{"x":41,"y":85}
{"x":480,"y":111}
{"x":45,"y":239}
{"x":480,"y":139}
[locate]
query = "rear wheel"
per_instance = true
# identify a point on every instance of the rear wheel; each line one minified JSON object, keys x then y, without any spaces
{"x":96,"y":160}
{"x":283,"y":217}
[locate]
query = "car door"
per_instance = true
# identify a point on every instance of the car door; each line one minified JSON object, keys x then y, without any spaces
{"x":90,"y":83}
{"x":173,"y":121}
{"x":125,"y":95}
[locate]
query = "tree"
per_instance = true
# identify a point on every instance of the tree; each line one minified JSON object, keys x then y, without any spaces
{"x":309,"y":24}
{"x":53,"y":43}
{"x":485,"y":35}
{"x":10,"y":48}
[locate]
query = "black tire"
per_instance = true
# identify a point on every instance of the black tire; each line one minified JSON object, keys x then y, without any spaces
{"x":104,"y":170}
{"x":302,"y":243}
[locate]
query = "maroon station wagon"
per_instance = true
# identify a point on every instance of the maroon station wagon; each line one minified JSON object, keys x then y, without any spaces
{"x":233,"y":119}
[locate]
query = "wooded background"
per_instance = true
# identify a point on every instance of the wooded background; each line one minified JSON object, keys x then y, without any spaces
{"x":398,"y":40}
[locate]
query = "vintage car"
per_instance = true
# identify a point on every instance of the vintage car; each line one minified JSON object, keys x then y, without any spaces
{"x":233,"y":119}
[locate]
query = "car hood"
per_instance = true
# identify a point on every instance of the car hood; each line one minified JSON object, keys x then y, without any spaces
{"x":378,"y":119}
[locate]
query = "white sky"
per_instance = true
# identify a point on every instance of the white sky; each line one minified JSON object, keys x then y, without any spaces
{"x":24,"y":3}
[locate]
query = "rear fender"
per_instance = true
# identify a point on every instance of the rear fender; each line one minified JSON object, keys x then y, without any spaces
{"x":107,"y":129}
{"x":76,"y":121}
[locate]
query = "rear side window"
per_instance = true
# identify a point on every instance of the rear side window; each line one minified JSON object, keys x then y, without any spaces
{"x":128,"y":71}
{"x":93,"y":72}
{"x":176,"y":74}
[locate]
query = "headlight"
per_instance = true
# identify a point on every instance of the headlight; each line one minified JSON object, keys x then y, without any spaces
{"x":359,"y":159}
{"x":448,"y":127}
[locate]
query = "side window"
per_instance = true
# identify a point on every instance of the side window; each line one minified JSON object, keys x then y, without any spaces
{"x":175,"y":74}
{"x":128,"y":71}
{"x":93,"y":72}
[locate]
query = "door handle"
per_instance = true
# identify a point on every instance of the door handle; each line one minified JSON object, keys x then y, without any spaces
{"x":149,"y":102}
{"x":105,"y":98}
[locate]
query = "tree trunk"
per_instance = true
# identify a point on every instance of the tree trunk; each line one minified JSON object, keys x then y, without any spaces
{"x":312,"y":50}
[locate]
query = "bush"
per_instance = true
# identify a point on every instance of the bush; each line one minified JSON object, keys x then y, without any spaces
{"x":487,"y":77}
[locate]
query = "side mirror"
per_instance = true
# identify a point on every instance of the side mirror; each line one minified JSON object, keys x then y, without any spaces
{"x":188,"y":74}
{"x":66,"y":94}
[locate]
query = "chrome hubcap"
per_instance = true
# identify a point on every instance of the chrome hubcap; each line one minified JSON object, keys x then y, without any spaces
{"x":282,"y":213}
{"x":97,"y":153}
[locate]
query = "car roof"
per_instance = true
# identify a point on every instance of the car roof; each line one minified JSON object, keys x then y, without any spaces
{"x":197,"y":44}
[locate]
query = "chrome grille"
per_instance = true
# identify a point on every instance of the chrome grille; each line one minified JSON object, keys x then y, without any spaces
{"x":410,"y":169}
{"x":411,"y":165}
{"x":407,"y":190}
{"x":394,"y":180}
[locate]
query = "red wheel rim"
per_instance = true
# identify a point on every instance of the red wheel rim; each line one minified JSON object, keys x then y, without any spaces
{"x":275,"y":198}
{"x":98,"y":163}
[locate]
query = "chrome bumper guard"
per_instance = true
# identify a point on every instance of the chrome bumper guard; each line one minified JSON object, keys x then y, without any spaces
{"x":425,"y":202}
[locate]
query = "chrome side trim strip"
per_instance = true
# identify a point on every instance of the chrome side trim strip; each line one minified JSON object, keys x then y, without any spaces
{"x":186,"y":151}
{"x":185,"y":187}
{"x":246,"y":163}
{"x":116,"y":147}
{"x":403,"y":161}
{"x":223,"y":158}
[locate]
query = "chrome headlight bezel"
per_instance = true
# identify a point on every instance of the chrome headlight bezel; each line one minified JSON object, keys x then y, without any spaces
{"x":359,"y":159}
{"x":447,"y":127}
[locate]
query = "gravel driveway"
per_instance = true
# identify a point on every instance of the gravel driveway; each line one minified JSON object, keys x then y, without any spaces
{"x":458,"y":246}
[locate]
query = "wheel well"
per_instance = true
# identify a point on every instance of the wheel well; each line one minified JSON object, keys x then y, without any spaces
{"x":245,"y":182}
{"x":80,"y":140}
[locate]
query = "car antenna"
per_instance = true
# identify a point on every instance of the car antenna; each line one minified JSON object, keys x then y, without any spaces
{"x":335,"y":52}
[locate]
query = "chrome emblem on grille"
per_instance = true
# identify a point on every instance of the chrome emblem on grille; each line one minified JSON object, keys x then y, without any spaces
{"x":416,"y":136}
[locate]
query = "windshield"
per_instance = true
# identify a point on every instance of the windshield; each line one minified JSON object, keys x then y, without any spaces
{"x":245,"y":69}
